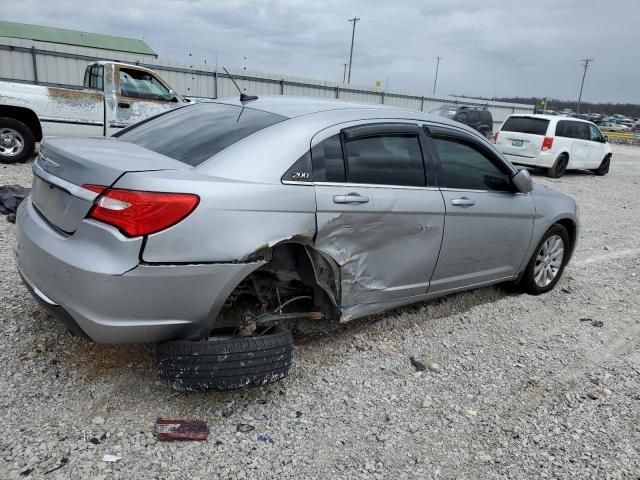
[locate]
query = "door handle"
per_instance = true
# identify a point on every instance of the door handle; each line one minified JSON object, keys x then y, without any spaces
{"x":462,"y":202}
{"x":124,"y":105}
{"x":350,"y":198}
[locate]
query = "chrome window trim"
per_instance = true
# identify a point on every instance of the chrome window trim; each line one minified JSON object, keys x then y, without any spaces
{"x":447,"y":189}
{"x":361,"y":185}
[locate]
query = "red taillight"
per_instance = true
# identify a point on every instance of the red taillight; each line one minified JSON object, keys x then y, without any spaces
{"x":138,"y":213}
{"x":547,"y":143}
{"x":495,"y":137}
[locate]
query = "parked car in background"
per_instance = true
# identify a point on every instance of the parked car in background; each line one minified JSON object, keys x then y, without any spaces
{"x":247,"y":215}
{"x":479,"y":119}
{"x":554,"y":143}
{"x":614,"y":127}
{"x":114,"y":95}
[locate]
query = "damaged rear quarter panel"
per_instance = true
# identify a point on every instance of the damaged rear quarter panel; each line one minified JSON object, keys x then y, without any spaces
{"x":234,"y":222}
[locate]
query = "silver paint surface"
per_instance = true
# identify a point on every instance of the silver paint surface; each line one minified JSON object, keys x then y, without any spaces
{"x":385,"y":253}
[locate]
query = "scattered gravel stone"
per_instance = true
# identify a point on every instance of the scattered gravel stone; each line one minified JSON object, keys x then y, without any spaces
{"x":434,"y":367}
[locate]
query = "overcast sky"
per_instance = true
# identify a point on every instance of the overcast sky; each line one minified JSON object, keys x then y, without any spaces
{"x":489,"y":47}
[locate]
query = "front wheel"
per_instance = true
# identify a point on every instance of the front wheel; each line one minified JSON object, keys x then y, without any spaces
{"x":548,"y":261}
{"x":17,"y":142}
{"x":603,"y":169}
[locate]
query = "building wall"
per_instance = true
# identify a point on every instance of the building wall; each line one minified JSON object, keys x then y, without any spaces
{"x":65,"y":64}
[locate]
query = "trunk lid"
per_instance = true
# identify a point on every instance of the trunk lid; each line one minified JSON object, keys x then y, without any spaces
{"x":65,"y":164}
{"x":522,"y":136}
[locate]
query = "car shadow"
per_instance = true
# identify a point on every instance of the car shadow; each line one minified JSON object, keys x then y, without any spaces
{"x":310,"y":332}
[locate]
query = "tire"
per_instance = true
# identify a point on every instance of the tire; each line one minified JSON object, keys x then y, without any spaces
{"x":603,"y":169}
{"x":17,"y":142}
{"x":226,"y":362}
{"x":559,"y":167}
{"x":528,"y":282}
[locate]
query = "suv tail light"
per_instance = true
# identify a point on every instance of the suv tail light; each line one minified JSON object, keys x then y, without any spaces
{"x":547,"y":143}
{"x":495,"y":137}
{"x":136,"y":212}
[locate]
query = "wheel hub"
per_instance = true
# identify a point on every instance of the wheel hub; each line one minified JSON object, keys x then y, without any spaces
{"x":11,"y":142}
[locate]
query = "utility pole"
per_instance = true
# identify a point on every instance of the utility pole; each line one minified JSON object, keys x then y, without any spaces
{"x":585,"y":64}
{"x":344,"y":73}
{"x":353,"y":36}
{"x":435,"y":81}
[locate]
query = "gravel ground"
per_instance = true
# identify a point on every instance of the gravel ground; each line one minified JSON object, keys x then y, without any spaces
{"x":517,"y":386}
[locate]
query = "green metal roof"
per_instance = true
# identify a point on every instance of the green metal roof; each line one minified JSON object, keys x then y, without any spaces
{"x":74,"y":37}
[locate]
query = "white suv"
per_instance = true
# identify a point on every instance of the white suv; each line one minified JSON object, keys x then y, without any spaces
{"x":555,"y":143}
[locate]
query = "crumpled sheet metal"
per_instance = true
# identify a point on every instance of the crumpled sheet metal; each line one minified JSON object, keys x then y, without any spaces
{"x":11,"y":196}
{"x":365,"y":247}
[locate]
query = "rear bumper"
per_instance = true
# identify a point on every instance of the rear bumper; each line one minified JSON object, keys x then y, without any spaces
{"x":75,"y":279}
{"x":543,"y":160}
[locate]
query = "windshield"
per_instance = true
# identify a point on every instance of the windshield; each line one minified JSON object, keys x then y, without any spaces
{"x":444,"y":113}
{"x":197,"y":132}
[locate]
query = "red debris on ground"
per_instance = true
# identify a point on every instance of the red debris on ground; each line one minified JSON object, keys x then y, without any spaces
{"x":168,"y":430}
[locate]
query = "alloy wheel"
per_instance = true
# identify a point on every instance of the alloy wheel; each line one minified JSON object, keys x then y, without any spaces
{"x":549,"y":261}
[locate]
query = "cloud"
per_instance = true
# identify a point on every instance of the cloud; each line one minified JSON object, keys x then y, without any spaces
{"x":490,"y":47}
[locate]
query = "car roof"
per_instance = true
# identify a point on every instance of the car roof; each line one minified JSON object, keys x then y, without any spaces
{"x":549,"y":117}
{"x":290,"y":107}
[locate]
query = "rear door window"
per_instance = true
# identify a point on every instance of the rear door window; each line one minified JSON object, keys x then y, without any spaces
{"x":195,"y":133}
{"x":462,"y":117}
{"x":385,"y":160}
{"x":328,"y":161}
{"x":93,"y":77}
{"x":582,"y":130}
{"x":535,"y":126}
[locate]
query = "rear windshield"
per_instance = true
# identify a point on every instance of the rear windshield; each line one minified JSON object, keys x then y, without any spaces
{"x":195,"y":133}
{"x":536,"y":126}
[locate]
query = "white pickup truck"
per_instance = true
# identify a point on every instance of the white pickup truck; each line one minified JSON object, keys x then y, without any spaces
{"x":114,"y":95}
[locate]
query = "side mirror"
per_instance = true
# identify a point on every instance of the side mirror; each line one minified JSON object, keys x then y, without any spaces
{"x":605,"y":139}
{"x":523,"y":181}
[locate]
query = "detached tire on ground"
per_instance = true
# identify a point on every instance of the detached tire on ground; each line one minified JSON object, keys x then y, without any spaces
{"x":17,"y":142}
{"x":225,"y":361}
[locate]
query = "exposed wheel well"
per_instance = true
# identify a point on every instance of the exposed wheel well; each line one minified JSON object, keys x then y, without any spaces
{"x":570,"y":226}
{"x":24,"y":115}
{"x":285,"y":284}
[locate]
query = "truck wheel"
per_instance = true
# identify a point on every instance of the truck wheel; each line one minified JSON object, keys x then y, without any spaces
{"x":603,"y":169}
{"x":559,"y":167}
{"x":225,"y":361}
{"x":17,"y":142}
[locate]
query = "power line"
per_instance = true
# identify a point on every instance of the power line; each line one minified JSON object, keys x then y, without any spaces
{"x":435,"y":80}
{"x":353,"y":36}
{"x":585,"y":64}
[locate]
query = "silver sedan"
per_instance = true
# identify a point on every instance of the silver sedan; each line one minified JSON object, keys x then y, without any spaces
{"x":246,"y":214}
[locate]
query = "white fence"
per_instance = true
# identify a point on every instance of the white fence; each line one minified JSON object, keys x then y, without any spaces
{"x":64,"y":65}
